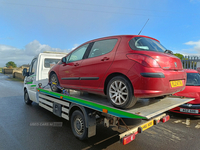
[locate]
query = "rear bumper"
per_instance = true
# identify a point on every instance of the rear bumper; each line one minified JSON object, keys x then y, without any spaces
{"x":194,"y":107}
{"x":190,"y":106}
{"x":154,"y":87}
{"x":154,"y":82}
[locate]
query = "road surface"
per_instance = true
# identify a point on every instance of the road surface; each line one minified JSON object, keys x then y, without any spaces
{"x":21,"y":128}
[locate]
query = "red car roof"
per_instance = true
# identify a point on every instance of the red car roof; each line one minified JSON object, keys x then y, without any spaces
{"x":117,"y":36}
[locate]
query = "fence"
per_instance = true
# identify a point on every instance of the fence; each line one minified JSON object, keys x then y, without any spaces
{"x":191,"y":62}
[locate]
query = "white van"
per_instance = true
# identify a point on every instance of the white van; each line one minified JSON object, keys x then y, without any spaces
{"x":38,"y":73}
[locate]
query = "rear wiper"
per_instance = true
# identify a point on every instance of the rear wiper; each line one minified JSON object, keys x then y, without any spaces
{"x":168,"y":51}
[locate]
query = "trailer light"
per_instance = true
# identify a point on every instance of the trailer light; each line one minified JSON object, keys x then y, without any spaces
{"x":156,"y":122}
{"x":105,"y":110}
{"x":61,"y":97}
{"x":128,"y":139}
{"x":165,"y":119}
{"x":38,"y":90}
{"x":140,"y":130}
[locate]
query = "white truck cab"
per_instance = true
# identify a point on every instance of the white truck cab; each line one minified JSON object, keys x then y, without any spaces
{"x":38,"y":73}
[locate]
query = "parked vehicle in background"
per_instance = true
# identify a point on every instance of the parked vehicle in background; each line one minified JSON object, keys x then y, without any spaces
{"x":124,"y":68}
{"x":191,"y":90}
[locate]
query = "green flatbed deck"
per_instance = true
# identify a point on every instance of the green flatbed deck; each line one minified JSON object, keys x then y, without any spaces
{"x":143,"y":109}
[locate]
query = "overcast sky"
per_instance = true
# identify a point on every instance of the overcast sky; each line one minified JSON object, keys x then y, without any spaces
{"x":30,"y":27}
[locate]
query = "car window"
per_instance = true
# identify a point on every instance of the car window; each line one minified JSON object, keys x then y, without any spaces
{"x":33,"y":67}
{"x":193,"y":79}
{"x":78,"y":54}
{"x":142,"y":43}
{"x":102,"y":47}
{"x":67,"y":58}
{"x":48,"y":63}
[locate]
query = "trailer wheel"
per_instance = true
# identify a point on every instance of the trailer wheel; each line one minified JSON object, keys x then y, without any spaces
{"x":26,"y":98}
{"x":120,"y":93}
{"x":55,"y":82}
{"x":78,"y":125}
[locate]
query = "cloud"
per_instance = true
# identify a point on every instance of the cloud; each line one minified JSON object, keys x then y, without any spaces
{"x":34,"y":48}
{"x":24,"y":56}
{"x":192,"y":50}
{"x":195,"y":44}
{"x":9,"y":53}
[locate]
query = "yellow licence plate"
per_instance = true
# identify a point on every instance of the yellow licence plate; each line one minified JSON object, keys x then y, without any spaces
{"x":176,"y":83}
{"x":147,"y":125}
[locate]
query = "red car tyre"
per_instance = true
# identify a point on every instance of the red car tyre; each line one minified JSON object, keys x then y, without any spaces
{"x":120,"y":93}
{"x":54,"y":82}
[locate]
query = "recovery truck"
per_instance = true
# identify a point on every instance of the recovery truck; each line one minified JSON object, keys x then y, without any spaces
{"x":85,"y":110}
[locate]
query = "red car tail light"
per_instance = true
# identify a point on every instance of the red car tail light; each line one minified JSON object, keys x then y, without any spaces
{"x":144,"y":60}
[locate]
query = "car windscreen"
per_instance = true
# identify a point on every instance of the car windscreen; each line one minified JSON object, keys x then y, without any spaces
{"x":193,"y":79}
{"x":50,"y":62}
{"x":147,"y":44}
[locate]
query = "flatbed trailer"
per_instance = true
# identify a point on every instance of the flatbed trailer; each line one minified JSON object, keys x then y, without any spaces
{"x":85,"y":111}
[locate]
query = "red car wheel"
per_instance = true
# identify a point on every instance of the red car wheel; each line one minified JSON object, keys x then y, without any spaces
{"x":120,"y":93}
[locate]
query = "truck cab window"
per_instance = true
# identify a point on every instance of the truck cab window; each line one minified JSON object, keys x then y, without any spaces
{"x":49,"y":62}
{"x":33,"y":67}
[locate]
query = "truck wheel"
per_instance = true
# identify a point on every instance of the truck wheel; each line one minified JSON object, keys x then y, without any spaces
{"x":78,"y":125}
{"x":26,"y":98}
{"x":120,"y":93}
{"x":54,"y":81}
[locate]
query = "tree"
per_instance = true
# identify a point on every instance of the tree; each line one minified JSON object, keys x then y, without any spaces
{"x":179,"y":55}
{"x":11,"y":64}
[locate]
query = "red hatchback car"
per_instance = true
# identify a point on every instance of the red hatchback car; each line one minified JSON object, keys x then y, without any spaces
{"x":191,"y":90}
{"x":124,"y":68}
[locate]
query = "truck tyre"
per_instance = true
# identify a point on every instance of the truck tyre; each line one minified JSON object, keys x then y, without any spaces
{"x":54,"y":81}
{"x":120,"y":93}
{"x":78,"y":125}
{"x":26,"y":98}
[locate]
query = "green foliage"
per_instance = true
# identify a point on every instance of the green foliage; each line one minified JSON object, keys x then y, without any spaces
{"x":11,"y":64}
{"x":179,"y":55}
{"x":0,"y":70}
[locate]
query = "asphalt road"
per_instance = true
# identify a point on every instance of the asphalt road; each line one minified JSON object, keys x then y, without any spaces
{"x":16,"y":132}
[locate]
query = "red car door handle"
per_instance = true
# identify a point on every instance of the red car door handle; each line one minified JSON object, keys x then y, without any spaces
{"x":76,"y":64}
{"x":105,"y":58}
